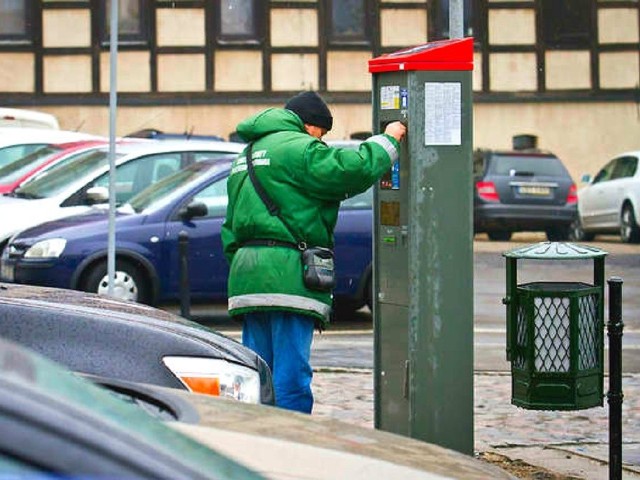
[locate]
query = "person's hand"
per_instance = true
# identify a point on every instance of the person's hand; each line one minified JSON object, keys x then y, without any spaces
{"x":397,"y":130}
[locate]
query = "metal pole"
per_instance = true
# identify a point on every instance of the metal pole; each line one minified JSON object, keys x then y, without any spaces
{"x":185,"y":301}
{"x":615,"y":396}
{"x":113,"y":101}
{"x":456,"y":18}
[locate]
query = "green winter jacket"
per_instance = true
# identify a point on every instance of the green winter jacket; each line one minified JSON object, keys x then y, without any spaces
{"x":307,"y":180}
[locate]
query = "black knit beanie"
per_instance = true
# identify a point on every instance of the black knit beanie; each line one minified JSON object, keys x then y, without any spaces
{"x":311,"y":109}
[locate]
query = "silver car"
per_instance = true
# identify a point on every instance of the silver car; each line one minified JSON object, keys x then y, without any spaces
{"x":610,"y":202}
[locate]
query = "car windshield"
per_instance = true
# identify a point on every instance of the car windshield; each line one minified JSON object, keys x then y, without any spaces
{"x":52,"y":183}
{"x":11,"y":153}
{"x":13,"y":171}
{"x":513,"y":165}
{"x":169,"y":184}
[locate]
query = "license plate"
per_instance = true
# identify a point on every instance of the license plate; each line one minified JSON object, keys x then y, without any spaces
{"x":6,"y":272}
{"x":533,"y":190}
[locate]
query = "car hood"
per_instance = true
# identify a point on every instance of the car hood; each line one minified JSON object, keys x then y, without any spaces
{"x":76,"y":301}
{"x":94,"y":220}
{"x":19,"y":213}
{"x":284,"y":444}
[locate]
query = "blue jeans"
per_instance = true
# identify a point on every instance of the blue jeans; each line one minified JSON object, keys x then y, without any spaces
{"x":283,"y":340}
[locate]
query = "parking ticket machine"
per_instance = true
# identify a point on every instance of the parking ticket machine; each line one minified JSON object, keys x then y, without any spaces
{"x":423,"y":250}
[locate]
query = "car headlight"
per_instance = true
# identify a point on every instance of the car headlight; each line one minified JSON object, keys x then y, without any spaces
{"x":216,"y":377}
{"x":51,"y":248}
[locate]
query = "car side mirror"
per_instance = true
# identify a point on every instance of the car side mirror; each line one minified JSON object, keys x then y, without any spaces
{"x":96,"y":195}
{"x":193,"y":210}
{"x":586,"y":178}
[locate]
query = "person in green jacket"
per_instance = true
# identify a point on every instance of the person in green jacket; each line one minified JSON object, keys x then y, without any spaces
{"x":306,"y":180}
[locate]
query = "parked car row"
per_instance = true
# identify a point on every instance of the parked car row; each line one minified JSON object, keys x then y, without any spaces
{"x":77,"y":185}
{"x":56,"y":424}
{"x":525,"y":189}
{"x":71,"y":252}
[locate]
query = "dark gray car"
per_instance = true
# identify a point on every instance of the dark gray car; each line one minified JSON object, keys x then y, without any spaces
{"x":526,"y":190}
{"x":110,"y":338}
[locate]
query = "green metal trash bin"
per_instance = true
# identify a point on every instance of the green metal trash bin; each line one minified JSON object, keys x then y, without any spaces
{"x":555,"y":332}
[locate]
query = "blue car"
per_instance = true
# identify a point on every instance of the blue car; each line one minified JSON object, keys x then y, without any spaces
{"x":72,"y":252}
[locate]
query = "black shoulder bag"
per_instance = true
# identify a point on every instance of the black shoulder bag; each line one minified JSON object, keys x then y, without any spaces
{"x":317,"y":262}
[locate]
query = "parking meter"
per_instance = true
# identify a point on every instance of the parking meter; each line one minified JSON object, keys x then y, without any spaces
{"x":423,"y":250}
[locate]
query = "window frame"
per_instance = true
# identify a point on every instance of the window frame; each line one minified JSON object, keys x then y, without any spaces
{"x":27,"y":36}
{"x":345,"y":40}
{"x":440,"y":15}
{"x":257,"y":38}
{"x":552,"y":35}
{"x":143,"y":38}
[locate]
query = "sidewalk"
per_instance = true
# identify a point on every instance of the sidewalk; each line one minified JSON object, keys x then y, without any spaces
{"x":572,"y":444}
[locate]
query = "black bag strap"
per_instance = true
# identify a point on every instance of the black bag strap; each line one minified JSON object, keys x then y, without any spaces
{"x":266,"y":199}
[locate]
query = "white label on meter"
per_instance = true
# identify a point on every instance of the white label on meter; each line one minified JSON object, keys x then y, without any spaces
{"x":390,"y":97}
{"x":442,"y":113}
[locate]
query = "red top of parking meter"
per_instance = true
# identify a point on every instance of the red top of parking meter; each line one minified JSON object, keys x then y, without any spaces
{"x":445,"y":55}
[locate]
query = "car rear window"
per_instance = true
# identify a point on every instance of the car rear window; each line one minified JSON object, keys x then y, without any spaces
{"x":514,"y":165}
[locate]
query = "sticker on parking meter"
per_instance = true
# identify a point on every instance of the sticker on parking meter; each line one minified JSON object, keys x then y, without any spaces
{"x":390,"y":97}
{"x":395,"y":176}
{"x":404,"y":98}
{"x":442,"y":113}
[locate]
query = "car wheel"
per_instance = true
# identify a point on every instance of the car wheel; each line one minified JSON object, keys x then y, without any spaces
{"x":558,"y":234}
{"x":499,"y":235}
{"x":629,"y":231}
{"x":129,"y":282}
{"x":577,"y":233}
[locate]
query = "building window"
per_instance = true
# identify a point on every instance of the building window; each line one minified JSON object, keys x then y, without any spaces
{"x":567,"y":24}
{"x":441,"y":15}
{"x":347,"y":21}
{"x":14,"y":20}
{"x":132,"y":21}
{"x":238,"y":21}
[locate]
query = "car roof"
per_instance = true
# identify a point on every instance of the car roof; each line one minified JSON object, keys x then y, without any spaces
{"x":19,"y":117}
{"x":134,"y":150}
{"x":138,"y":147}
{"x":631,"y":153}
{"x":517,"y":153}
{"x":17,"y":136}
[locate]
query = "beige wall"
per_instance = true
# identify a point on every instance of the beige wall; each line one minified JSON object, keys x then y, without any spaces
{"x":66,"y":28}
{"x":583,"y":135}
{"x":401,"y":28}
{"x":17,"y":72}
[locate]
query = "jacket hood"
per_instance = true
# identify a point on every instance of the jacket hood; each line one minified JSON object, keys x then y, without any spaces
{"x":269,"y":121}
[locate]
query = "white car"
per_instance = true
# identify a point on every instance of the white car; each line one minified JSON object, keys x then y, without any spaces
{"x":610,"y":202}
{"x":83,"y":183}
{"x":15,"y":142}
{"x":19,"y":117}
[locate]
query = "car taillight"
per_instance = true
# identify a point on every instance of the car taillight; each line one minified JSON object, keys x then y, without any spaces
{"x":487,"y":191}
{"x":572,"y":196}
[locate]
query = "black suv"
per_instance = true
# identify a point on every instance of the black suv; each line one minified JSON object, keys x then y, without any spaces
{"x":524,"y":189}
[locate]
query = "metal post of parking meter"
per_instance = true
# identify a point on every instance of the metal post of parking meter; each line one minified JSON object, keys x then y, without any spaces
{"x":185,"y":297}
{"x":615,"y":395}
{"x":423,"y":249}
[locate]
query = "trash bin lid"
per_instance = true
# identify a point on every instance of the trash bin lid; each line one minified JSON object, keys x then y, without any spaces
{"x":556,"y":251}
